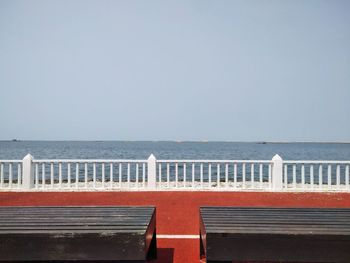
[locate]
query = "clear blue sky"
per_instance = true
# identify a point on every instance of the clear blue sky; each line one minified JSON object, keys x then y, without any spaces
{"x":175,"y":70}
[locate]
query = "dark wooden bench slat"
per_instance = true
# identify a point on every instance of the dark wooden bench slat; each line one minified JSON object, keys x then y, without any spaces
{"x":112,"y":208}
{"x":272,"y":217}
{"x":281,"y":220}
{"x":73,"y":212}
{"x":322,"y":225}
{"x":231,"y":209}
{"x":71,"y":223}
{"x":74,"y":232}
{"x":271,"y":214}
{"x":72,"y":227}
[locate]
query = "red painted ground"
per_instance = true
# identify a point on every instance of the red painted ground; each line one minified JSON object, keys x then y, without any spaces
{"x":177,"y":250}
{"x":177,"y":212}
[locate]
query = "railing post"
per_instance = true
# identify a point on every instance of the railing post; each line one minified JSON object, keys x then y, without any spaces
{"x":277,"y":173}
{"x":151,"y":172}
{"x":28,"y":172}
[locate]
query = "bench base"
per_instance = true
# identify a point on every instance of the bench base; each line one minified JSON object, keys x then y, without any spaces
{"x":79,"y":247}
{"x":287,"y":248}
{"x":83,"y":261}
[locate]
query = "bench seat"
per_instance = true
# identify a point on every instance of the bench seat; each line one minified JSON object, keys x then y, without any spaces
{"x":122,"y":234}
{"x":275,"y":234}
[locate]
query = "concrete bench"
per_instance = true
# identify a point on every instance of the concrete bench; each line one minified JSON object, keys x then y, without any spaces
{"x":275,"y":234}
{"x":121,"y":234}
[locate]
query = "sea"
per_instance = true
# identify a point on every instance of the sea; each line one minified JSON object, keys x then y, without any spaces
{"x":173,"y":150}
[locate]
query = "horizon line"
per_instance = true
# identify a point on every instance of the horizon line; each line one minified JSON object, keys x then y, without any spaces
{"x":176,"y":141}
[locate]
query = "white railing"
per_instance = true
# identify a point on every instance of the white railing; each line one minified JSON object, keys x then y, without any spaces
{"x":89,"y":174}
{"x":152,"y":174}
{"x":11,"y":174}
{"x":214,"y":174}
{"x":316,"y":175}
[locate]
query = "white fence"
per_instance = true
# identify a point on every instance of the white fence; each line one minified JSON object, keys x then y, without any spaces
{"x":153,"y":175}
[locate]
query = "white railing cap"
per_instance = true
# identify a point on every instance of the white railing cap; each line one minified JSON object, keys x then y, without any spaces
{"x":277,"y":158}
{"x":28,"y":157}
{"x":151,"y":157}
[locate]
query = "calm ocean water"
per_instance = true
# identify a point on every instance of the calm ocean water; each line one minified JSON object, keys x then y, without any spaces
{"x":173,"y":150}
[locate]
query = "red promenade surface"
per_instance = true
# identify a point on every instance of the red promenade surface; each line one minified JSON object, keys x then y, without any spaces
{"x":177,"y":212}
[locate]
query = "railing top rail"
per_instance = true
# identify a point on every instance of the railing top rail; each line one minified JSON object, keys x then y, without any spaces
{"x":88,"y":161}
{"x":315,"y":162}
{"x":214,"y":161}
{"x":11,"y":161}
{"x":176,"y":161}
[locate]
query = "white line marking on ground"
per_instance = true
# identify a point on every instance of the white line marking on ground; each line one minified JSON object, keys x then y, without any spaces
{"x":179,"y":236}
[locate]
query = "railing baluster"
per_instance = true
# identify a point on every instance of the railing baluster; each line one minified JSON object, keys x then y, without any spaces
{"x":252,"y":175}
{"x":94,"y":175}
{"x":36,"y":183}
{"x":285,"y":176}
{"x":86,"y":175}
{"x":294,"y":176}
{"x":218,"y":175}
{"x":176,"y":174}
{"x":226,"y":175}
{"x":68,"y":175}
{"x":168,"y":174}
{"x":184,"y":172}
{"x":43,"y":179}
{"x":1,"y":175}
{"x":243,"y":176}
{"x":144,"y":174}
{"x":120,"y":175}
{"x":338,"y":176}
{"x":60,"y":175}
{"x":312,"y":176}
{"x":10,"y":175}
{"x":261,"y":175}
{"x":128,"y":175}
{"x":270,"y":176}
{"x":103,"y":175}
{"x":235,"y":175}
{"x":201,"y":174}
{"x":77,"y":175}
{"x":209,"y":175}
{"x":303,"y":176}
{"x":320,"y":177}
{"x":347,"y":175}
{"x":19,"y":175}
{"x":137,"y":175}
{"x":111,"y":175}
{"x":160,"y":174}
{"x":193,"y":175}
{"x":51,"y":175}
{"x":329,"y":176}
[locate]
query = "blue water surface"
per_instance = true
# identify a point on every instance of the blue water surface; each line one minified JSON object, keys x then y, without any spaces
{"x":173,"y":150}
